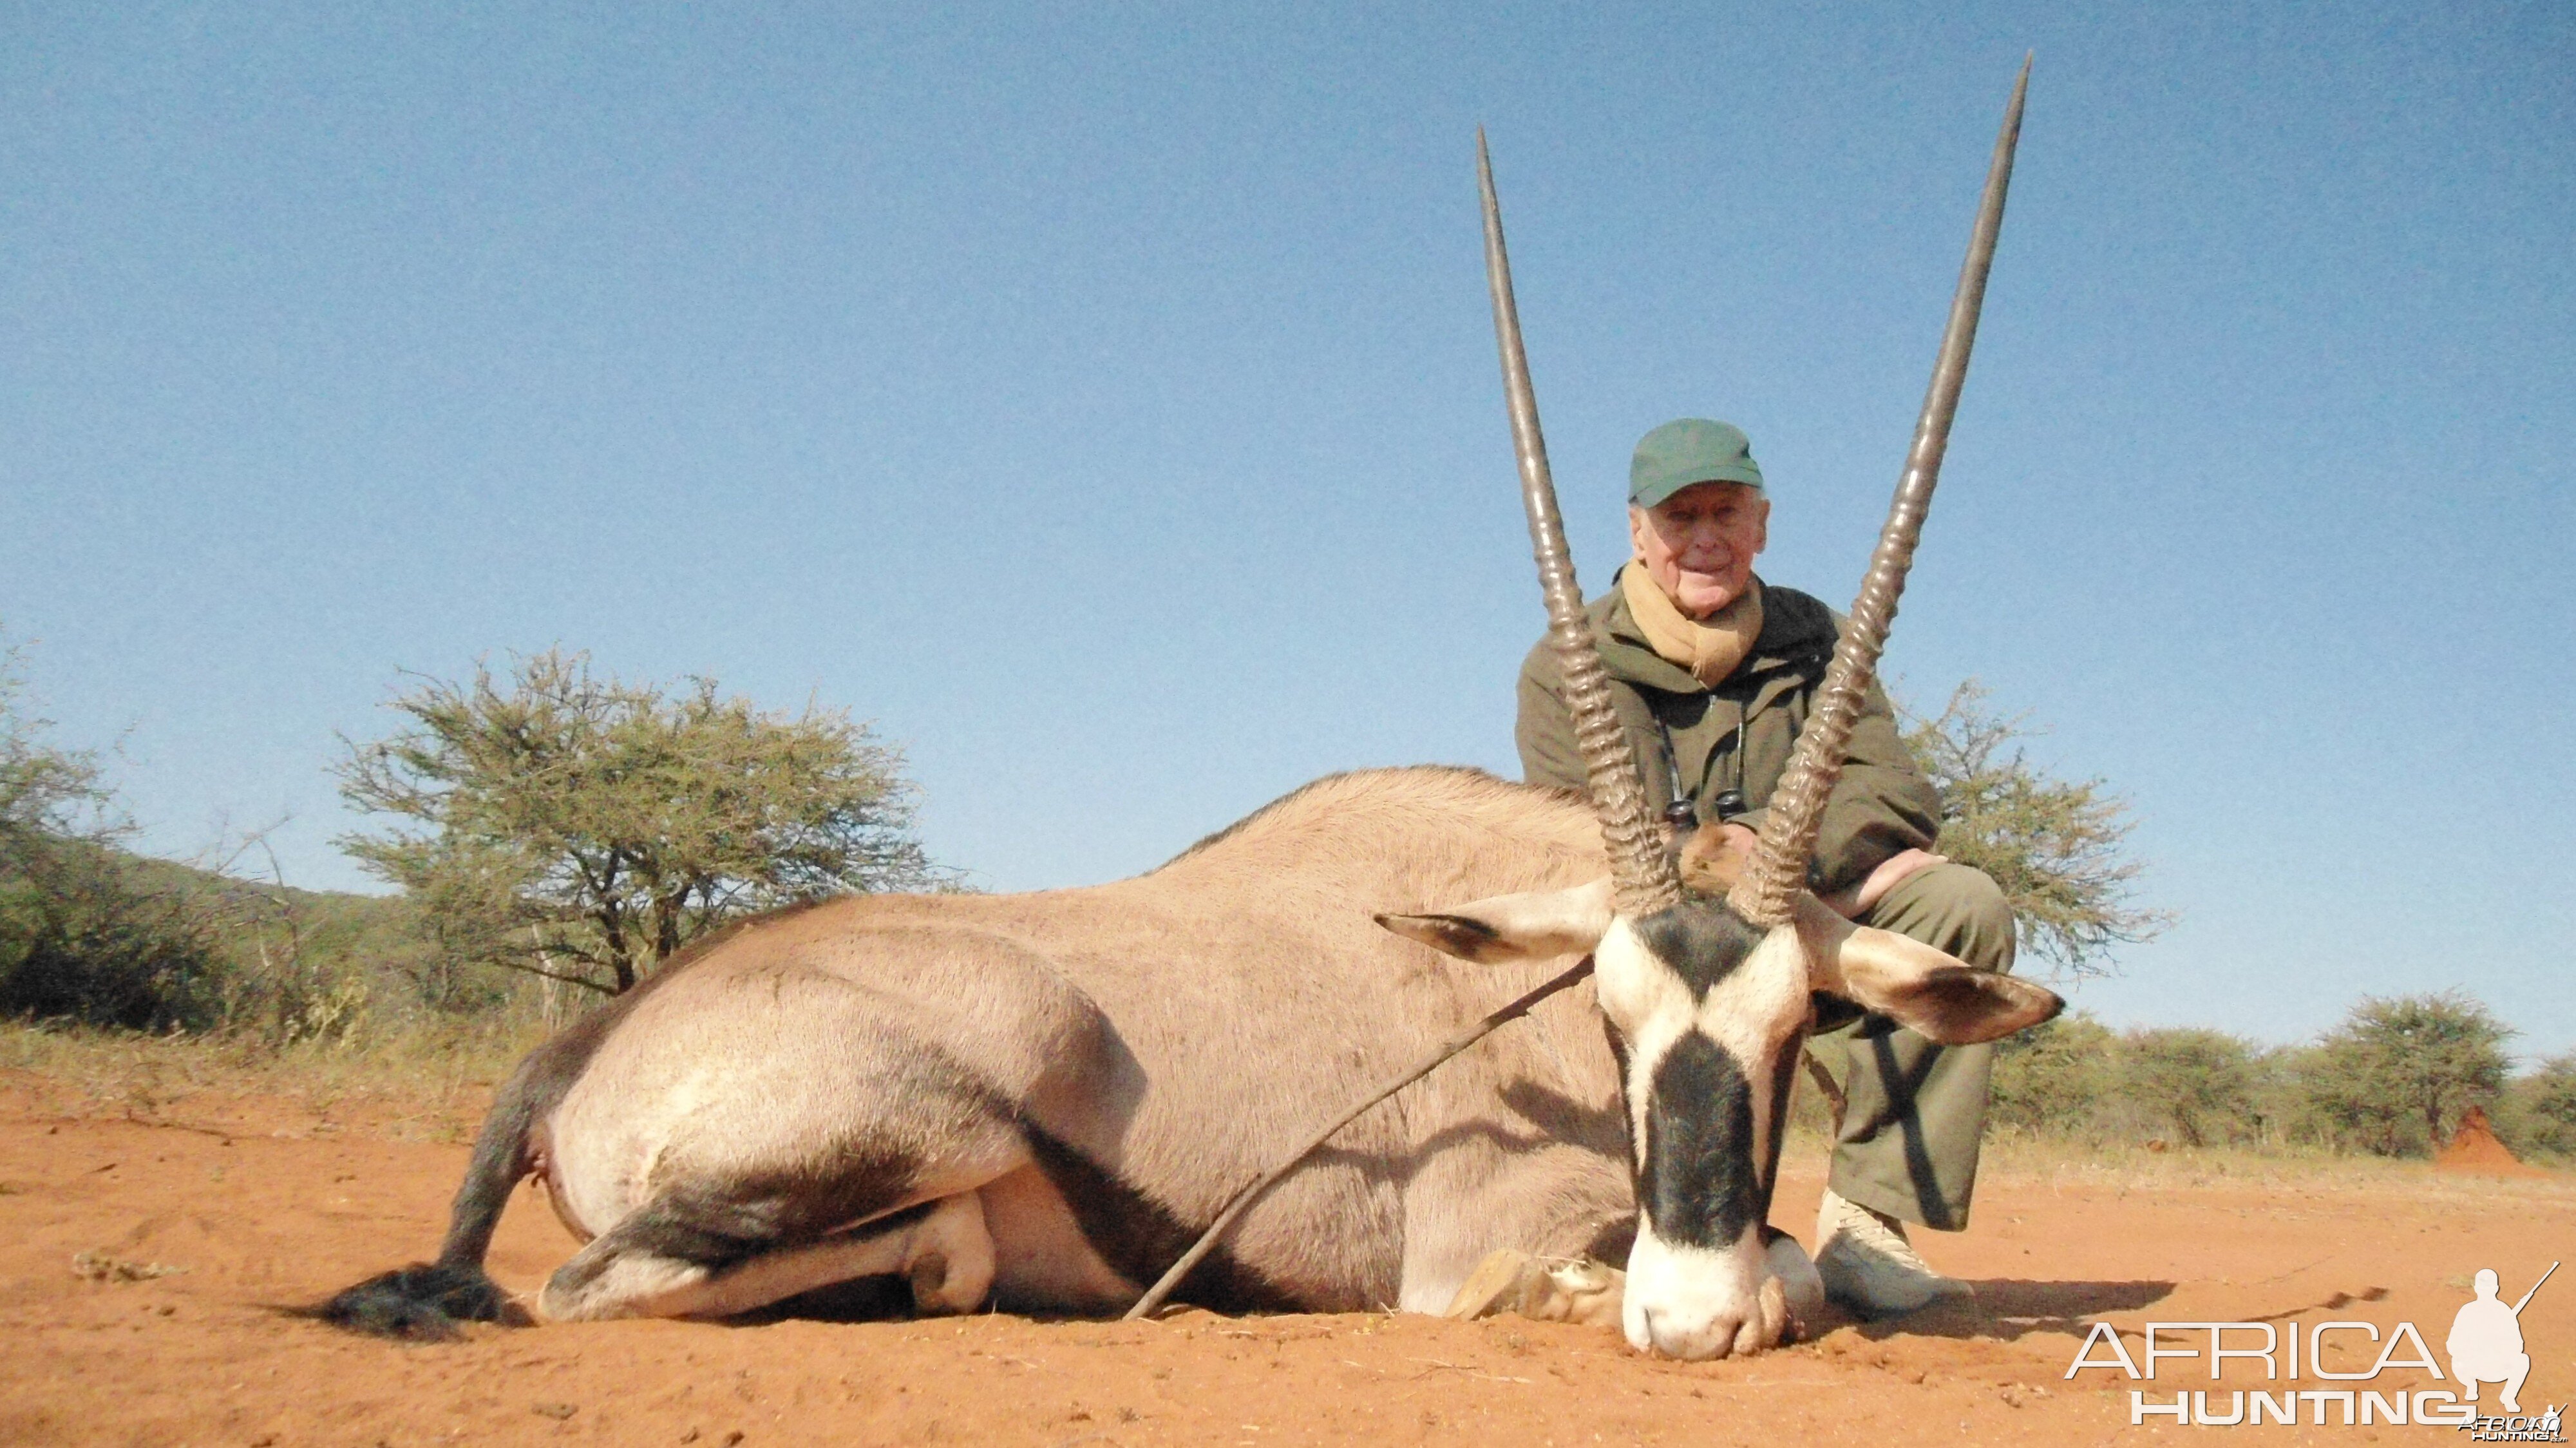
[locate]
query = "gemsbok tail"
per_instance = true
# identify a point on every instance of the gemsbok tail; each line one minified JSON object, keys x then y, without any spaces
{"x":426,"y":1300}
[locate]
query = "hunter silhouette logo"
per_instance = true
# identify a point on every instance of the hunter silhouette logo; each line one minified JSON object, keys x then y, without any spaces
{"x":2486,"y":1341}
{"x":2485,"y":1346}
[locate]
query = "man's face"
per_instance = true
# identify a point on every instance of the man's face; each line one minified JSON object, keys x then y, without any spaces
{"x":1698,"y":545}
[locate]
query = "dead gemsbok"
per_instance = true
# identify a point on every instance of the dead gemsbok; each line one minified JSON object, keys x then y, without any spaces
{"x":1038,"y":1100}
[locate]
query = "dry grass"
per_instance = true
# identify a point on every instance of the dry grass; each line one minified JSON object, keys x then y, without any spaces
{"x":2025,"y":1158}
{"x":2049,"y":1161}
{"x":424,"y":1084}
{"x":432,"y":1083}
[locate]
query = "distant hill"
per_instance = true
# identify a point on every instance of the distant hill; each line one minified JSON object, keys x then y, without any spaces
{"x":298,"y":942}
{"x":346,"y":923}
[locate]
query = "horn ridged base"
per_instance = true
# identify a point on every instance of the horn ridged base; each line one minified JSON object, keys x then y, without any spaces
{"x":1642,"y":879}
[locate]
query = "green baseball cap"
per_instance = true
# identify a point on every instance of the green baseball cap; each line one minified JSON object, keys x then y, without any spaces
{"x":1691,"y":450}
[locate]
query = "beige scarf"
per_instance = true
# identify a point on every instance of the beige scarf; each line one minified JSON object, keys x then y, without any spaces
{"x":1709,"y":648}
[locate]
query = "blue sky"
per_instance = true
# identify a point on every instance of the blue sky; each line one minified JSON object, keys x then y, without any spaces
{"x":1102,"y":400}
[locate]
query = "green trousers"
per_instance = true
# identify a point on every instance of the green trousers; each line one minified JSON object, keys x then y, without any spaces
{"x":1914,"y":1112}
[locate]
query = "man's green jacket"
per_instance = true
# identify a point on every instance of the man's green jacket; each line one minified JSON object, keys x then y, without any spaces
{"x":1881,"y":805}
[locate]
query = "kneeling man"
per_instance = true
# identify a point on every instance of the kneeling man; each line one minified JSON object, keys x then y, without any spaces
{"x":1713,"y":673}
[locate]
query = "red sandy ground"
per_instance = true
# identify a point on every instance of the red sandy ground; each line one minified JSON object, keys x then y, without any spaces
{"x":265,"y":1204}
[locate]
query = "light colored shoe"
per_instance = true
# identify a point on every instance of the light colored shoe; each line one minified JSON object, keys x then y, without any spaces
{"x":1869,"y":1267}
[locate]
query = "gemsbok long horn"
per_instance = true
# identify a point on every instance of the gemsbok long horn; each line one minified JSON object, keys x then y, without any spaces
{"x":1642,"y":877}
{"x":1767,"y":891}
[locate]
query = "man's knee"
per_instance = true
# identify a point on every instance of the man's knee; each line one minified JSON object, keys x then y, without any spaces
{"x":1954,"y":908}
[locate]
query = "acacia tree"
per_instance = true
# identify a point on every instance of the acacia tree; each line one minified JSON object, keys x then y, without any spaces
{"x":2403,"y":1065}
{"x":2057,"y":847}
{"x":576,"y":827}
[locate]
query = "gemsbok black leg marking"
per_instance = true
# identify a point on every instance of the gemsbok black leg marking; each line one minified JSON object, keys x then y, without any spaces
{"x":719,"y":1229}
{"x":1138,"y":1236}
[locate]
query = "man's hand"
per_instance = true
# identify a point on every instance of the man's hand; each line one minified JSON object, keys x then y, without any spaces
{"x":1716,"y":856}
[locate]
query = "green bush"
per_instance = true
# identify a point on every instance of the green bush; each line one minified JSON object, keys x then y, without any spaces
{"x":2076,"y":1079}
{"x":2393,"y":1079}
{"x":2052,"y":1079}
{"x":85,"y":936}
{"x":90,"y":932}
{"x":2188,"y":1085}
{"x":2536,"y":1116}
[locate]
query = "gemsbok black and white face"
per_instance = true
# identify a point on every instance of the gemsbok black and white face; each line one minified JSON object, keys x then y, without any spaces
{"x":1707,"y":1012}
{"x":1708,"y":987}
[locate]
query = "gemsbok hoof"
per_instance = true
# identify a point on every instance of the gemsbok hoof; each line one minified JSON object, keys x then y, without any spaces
{"x":1543,"y":1289}
{"x":1789,"y":1305}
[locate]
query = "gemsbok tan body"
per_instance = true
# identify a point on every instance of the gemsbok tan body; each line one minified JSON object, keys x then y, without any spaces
{"x":1040,"y":1100}
{"x":1076,"y":1080}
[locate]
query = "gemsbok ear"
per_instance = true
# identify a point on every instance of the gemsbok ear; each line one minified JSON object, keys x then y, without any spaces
{"x":1938,"y":996}
{"x":1539,"y":925}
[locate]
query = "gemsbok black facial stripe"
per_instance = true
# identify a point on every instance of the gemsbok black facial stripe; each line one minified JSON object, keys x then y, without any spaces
{"x":1700,"y":941}
{"x":1698,"y":1188}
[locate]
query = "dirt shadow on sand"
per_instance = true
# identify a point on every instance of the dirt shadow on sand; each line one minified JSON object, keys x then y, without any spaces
{"x":2009,"y":1308}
